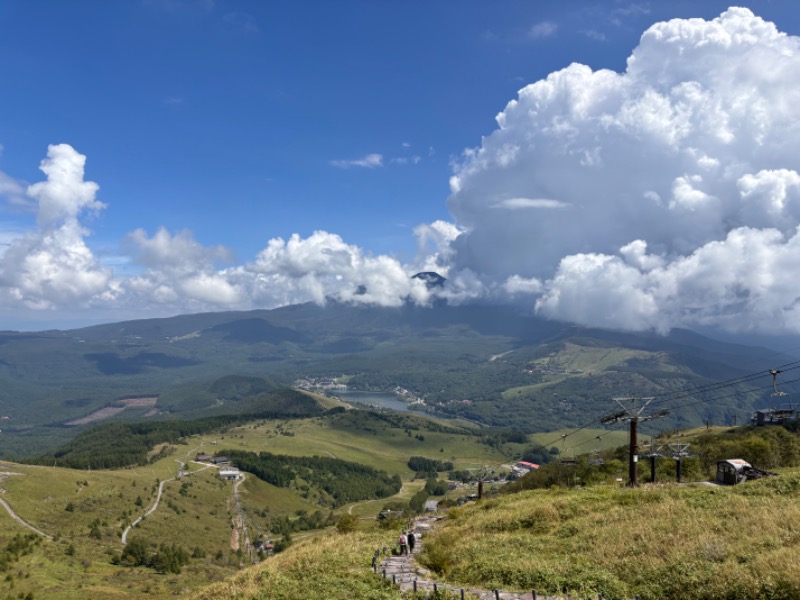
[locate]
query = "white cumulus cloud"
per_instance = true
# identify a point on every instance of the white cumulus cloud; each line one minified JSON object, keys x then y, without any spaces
{"x":665,"y":195}
{"x":52,"y":266}
{"x":676,"y":184}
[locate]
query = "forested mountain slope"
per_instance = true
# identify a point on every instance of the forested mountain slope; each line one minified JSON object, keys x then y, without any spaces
{"x":487,"y":363}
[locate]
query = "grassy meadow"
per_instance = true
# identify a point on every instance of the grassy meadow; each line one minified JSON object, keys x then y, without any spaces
{"x":332,"y":566}
{"x":662,"y":541}
{"x":659,"y":541}
{"x":360,"y":436}
{"x":86,"y":511}
{"x":584,"y":441}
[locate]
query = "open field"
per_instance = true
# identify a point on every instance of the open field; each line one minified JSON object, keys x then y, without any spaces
{"x":357,"y":437}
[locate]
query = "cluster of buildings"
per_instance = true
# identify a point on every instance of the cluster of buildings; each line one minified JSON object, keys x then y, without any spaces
{"x":523,"y":467}
{"x":322,"y":384}
{"x":226,"y":471}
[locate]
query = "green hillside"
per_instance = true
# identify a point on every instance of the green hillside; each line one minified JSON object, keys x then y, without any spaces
{"x":86,"y":511}
{"x":487,"y":364}
{"x":666,"y":540}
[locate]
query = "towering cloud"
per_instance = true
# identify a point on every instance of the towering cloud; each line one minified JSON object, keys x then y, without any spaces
{"x":52,"y":265}
{"x":665,"y":195}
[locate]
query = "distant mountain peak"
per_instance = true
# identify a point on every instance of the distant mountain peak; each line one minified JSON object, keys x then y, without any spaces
{"x":431,"y":279}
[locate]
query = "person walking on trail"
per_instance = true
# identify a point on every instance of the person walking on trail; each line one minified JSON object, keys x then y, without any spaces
{"x":403,"y":544}
{"x":412,"y":539}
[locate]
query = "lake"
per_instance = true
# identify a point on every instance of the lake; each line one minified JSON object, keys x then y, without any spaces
{"x":382,"y":399}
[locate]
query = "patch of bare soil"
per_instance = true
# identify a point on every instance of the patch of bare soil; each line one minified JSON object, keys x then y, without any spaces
{"x":116,"y":408}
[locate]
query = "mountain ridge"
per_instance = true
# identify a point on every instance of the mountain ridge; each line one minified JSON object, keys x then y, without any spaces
{"x":493,"y":364}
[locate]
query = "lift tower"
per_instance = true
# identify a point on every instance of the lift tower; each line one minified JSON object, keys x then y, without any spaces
{"x":632,"y":409}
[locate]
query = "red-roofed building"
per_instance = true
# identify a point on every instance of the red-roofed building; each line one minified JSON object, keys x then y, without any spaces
{"x":523,"y":467}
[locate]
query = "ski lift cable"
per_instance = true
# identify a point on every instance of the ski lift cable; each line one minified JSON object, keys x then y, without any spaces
{"x":589,"y":441}
{"x":670,"y":396}
{"x":715,"y":386}
{"x":710,"y":402}
{"x":721,"y":385}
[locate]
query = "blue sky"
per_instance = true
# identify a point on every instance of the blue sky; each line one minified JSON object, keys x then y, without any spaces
{"x":240,"y":122}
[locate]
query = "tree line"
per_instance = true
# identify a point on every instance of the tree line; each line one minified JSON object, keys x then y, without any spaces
{"x":763,"y":447}
{"x":120,"y":445}
{"x":337,"y":481}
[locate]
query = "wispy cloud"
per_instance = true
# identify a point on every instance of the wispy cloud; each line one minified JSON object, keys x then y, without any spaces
{"x":370,"y":161}
{"x":542,"y":29}
{"x":406,"y":160}
{"x":173,"y":100}
{"x":634,"y":9}
{"x":593,"y":34}
{"x":13,"y":191}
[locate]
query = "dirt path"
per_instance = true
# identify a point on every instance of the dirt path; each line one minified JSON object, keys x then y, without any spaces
{"x":152,"y":508}
{"x":350,"y":510}
{"x":411,"y":577}
{"x":240,"y":536}
{"x":10,"y":511}
{"x":22,"y":521}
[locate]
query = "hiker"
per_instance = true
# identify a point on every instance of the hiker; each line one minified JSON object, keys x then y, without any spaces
{"x":403,"y":544}
{"x":412,"y":539}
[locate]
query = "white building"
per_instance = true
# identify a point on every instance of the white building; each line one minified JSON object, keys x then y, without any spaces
{"x":229,"y":473}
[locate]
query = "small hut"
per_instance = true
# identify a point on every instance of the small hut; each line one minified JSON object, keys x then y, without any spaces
{"x":229,"y":473}
{"x":732,"y":471}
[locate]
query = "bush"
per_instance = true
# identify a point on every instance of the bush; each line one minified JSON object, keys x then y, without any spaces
{"x":347,"y":523}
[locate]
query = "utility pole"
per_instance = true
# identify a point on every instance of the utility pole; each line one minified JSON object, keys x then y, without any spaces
{"x":652,"y":454}
{"x":678,"y":451}
{"x":632,"y":409}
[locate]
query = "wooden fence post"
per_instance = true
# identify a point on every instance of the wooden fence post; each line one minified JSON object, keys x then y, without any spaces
{"x":533,"y":594}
